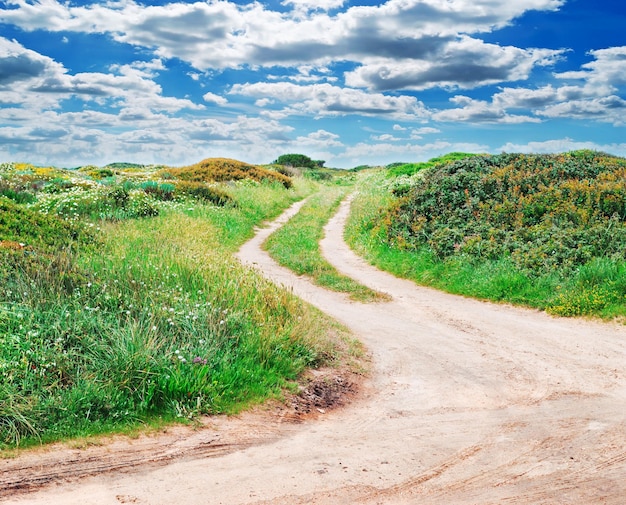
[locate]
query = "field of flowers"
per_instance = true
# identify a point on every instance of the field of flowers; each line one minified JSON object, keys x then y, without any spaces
{"x":120,"y":303}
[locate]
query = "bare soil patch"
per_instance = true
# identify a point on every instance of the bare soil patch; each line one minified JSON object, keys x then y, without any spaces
{"x":320,"y":391}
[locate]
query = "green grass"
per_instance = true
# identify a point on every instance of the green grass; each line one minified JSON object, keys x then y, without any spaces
{"x":147,"y":320}
{"x":596,"y":289}
{"x":296,"y":245}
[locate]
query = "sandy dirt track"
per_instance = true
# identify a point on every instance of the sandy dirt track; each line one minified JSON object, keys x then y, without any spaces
{"x":468,"y":403}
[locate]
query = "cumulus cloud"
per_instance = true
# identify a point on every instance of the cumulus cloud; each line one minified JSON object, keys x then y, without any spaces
{"x":18,"y":64}
{"x":380,"y":153}
{"x":309,"y":5}
{"x":98,"y":137}
{"x":595,"y":97}
{"x":607,"y":69}
{"x":213,"y":98}
{"x":30,"y":79}
{"x":479,"y":111}
{"x":327,"y":100}
{"x":463,"y":63}
{"x":328,"y":59}
{"x":533,"y":99}
{"x":25,"y":135}
{"x":562,"y":145}
{"x":591,"y":93}
{"x":22,"y":72}
{"x":610,"y":109}
{"x":320,"y":139}
{"x":425,"y":130}
{"x":396,"y":42}
{"x":385,"y":137}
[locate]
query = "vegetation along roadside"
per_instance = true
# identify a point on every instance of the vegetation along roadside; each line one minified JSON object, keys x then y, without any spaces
{"x":121,"y":304}
{"x":545,"y":231}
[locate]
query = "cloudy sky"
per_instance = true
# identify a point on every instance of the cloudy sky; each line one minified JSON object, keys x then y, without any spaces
{"x":349,"y":82}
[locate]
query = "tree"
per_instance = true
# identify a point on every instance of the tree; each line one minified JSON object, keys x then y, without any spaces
{"x":295,"y":160}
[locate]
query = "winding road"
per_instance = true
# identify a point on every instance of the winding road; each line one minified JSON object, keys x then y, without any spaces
{"x":468,"y":403}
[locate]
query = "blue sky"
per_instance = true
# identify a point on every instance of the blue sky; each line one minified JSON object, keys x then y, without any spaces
{"x":352,"y":83}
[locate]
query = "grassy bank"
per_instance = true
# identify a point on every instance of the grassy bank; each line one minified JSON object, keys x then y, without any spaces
{"x":557,"y":244}
{"x":296,"y":244}
{"x":109,"y":324}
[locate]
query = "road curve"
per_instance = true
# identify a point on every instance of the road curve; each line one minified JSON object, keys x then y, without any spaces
{"x":468,"y":403}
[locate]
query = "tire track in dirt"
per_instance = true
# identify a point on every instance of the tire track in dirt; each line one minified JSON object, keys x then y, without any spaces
{"x":468,"y":403}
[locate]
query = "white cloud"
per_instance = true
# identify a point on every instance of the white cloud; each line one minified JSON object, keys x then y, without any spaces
{"x":463,"y":63}
{"x":263,"y":102}
{"x":607,"y":69}
{"x":418,"y":133}
{"x":323,"y":136}
{"x":213,"y":98}
{"x":22,"y":71}
{"x":31,"y":80}
{"x":320,"y":139}
{"x":425,"y":130}
{"x":611,"y":109}
{"x":322,"y":100}
{"x":385,"y":137}
{"x":308,"y":73}
{"x":412,"y":44}
{"x":396,"y":45}
{"x":95,"y":137}
{"x":411,"y":152}
{"x":309,"y":5}
{"x":562,"y":145}
{"x":479,"y":111}
{"x":523,"y":98}
{"x":596,"y":97}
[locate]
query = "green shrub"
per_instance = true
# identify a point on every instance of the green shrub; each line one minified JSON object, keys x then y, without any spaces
{"x":204,"y":192}
{"x":124,"y":166}
{"x":287,"y":170}
{"x":318,"y":175}
{"x":223,"y":169}
{"x":100,"y":173}
{"x":17,"y":194}
{"x":44,"y":232}
{"x":582,"y":302}
{"x":544,"y":212}
{"x":160,"y":191}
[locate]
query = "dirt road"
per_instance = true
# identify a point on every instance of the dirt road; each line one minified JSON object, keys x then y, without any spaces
{"x":468,"y":403}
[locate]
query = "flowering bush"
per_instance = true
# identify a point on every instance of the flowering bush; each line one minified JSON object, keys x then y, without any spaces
{"x":203,"y":191}
{"x":110,"y":203}
{"x":224,"y":169}
{"x":544,"y":212}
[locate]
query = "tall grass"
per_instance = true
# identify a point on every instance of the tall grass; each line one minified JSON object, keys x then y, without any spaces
{"x":597,"y":289}
{"x":296,"y":244}
{"x":154,"y":321}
